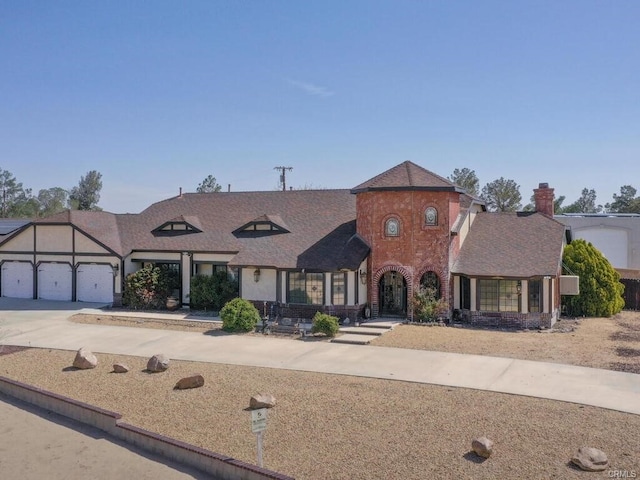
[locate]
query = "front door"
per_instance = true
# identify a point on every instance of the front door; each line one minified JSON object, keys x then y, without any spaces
{"x":393,"y":294}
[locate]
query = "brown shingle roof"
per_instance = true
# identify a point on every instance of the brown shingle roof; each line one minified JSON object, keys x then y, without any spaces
{"x":519,"y":245}
{"x":320,"y":224}
{"x":407,"y":175}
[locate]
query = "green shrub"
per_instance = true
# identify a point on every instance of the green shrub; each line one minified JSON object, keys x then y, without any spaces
{"x":324,"y":323}
{"x":148,"y":288}
{"x":211,"y":292}
{"x":239,"y":315}
{"x":600,"y":288}
{"x":427,"y":307}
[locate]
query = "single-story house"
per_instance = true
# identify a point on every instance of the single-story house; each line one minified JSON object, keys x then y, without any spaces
{"x":352,"y":253}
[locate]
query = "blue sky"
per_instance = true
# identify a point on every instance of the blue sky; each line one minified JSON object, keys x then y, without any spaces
{"x":158,"y":95}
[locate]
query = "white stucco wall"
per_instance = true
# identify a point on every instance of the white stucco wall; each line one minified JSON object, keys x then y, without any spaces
{"x":264,"y":289}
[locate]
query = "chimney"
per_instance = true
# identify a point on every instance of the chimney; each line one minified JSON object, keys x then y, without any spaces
{"x":180,"y":194}
{"x":543,"y":197}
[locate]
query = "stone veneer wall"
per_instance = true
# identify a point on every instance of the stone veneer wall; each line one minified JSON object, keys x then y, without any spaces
{"x":290,"y":310}
{"x":509,"y":319}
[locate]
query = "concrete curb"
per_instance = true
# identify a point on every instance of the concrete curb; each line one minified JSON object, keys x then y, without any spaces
{"x":220,"y":466}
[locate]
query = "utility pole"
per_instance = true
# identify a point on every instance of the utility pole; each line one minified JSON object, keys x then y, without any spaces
{"x":283,"y":178}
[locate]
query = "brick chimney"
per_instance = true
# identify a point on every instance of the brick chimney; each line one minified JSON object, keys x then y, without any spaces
{"x":543,"y":197}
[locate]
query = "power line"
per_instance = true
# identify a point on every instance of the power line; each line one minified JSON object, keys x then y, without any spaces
{"x":283,"y":178}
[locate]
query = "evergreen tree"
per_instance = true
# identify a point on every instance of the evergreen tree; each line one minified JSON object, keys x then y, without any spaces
{"x":600,"y":288}
{"x":87,"y":194}
{"x":502,"y":195}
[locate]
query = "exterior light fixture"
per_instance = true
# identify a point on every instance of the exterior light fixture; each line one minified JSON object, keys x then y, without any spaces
{"x":363,"y":277}
{"x":115,"y":268}
{"x":519,"y":287}
{"x":256,"y":275}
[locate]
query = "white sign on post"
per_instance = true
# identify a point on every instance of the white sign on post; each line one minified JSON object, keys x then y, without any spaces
{"x":259,"y":420}
{"x":258,"y":426}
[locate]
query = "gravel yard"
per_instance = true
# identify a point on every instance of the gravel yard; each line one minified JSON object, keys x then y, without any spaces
{"x":342,"y":427}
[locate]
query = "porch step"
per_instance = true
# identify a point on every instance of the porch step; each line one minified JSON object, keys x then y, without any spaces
{"x":353,"y":339}
{"x":362,"y":330}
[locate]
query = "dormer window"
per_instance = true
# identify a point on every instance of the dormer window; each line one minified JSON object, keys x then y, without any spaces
{"x":392,"y":227}
{"x":263,"y":225}
{"x":431,"y":216}
{"x":178,"y":226}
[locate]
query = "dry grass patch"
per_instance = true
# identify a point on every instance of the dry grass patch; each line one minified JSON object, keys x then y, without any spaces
{"x":589,"y":342}
{"x":342,"y":427}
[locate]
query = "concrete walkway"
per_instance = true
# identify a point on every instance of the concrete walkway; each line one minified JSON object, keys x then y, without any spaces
{"x":44,"y":324}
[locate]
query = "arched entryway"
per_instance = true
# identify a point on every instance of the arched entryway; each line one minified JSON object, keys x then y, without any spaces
{"x":392,"y":294}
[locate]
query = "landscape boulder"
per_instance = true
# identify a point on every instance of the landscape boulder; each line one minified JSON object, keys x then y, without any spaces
{"x":262,"y":400}
{"x":158,"y":363}
{"x":85,"y":359}
{"x":194,"y":381}
{"x":590,"y":459}
{"x":482,"y":446}
{"x":120,"y":368}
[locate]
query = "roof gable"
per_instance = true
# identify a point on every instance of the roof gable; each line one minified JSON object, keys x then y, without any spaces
{"x":407,"y":176}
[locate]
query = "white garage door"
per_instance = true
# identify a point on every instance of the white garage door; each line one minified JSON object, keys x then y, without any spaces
{"x":54,"y":281}
{"x":17,"y":280}
{"x":95,"y":283}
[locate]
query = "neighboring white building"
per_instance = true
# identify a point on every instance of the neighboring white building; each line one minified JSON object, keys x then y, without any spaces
{"x":616,"y":235}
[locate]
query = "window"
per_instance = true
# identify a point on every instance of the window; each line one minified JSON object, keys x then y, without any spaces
{"x":535,"y":297}
{"x":498,"y":295}
{"x":307,"y":288}
{"x":431,"y":216}
{"x":338,"y":289}
{"x":392,"y":227}
{"x":465,"y":293}
{"x":432,"y":281}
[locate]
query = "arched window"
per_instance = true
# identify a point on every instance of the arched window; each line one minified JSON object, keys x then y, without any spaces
{"x":392,"y":227}
{"x":431,"y":216}
{"x":431,"y":280}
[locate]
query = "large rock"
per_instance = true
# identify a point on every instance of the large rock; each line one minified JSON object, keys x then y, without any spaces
{"x":590,"y":459}
{"x":120,"y":368}
{"x":262,"y":400}
{"x":85,"y":359}
{"x":158,"y":363}
{"x":194,"y":381}
{"x":482,"y":446}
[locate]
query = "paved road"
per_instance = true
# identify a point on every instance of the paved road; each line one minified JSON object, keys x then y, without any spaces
{"x":36,"y":444}
{"x":39,"y":323}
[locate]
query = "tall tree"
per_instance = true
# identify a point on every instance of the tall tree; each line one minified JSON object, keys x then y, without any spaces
{"x":209,"y":185}
{"x":466,"y":179}
{"x":15,"y":201}
{"x":87,"y":194}
{"x":52,"y":200}
{"x":502,"y":195}
{"x":626,"y":202}
{"x":585,"y":204}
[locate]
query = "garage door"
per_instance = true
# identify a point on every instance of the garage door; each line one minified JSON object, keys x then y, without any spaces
{"x":17,"y":279}
{"x":54,"y":281}
{"x":95,"y":283}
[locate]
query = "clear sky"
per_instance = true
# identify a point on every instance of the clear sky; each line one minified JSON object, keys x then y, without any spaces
{"x":156,"y":95}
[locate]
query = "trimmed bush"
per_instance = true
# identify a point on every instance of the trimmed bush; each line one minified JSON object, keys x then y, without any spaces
{"x":239,"y":315}
{"x":324,"y":323}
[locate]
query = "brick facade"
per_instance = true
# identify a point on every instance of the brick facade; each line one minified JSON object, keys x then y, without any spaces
{"x":418,"y":248}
